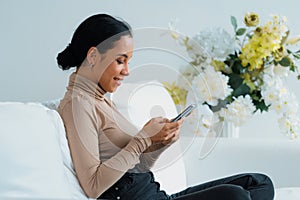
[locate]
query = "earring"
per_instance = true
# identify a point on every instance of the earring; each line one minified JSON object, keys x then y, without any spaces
{"x":91,"y":65}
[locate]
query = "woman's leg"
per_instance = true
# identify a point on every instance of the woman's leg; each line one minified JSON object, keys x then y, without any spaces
{"x":224,"y":192}
{"x":242,"y":186}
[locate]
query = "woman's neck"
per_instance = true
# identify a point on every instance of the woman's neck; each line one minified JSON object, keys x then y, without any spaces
{"x":87,"y":72}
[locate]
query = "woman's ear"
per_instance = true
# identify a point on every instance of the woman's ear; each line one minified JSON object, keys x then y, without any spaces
{"x":92,"y":56}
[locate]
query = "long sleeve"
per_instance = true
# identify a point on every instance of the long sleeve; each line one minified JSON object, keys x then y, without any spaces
{"x":83,"y":126}
{"x":150,"y":156}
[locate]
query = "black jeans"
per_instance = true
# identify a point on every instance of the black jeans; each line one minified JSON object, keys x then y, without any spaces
{"x":141,"y":186}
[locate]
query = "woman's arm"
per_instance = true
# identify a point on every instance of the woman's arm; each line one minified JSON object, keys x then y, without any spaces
{"x":82,"y":125}
{"x":151,"y":154}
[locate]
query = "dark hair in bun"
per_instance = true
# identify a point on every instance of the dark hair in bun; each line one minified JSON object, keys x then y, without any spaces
{"x":90,"y":33}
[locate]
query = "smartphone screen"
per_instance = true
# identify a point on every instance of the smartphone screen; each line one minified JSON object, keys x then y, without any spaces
{"x":185,"y":112}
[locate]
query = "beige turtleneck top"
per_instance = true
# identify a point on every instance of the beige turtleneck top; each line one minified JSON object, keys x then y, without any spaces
{"x":103,"y":144}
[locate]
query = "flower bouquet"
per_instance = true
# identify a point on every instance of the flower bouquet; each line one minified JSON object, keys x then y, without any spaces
{"x":232,"y":77}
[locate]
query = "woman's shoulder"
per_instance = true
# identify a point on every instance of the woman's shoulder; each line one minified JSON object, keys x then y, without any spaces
{"x":76,"y":102}
{"x":70,"y":99}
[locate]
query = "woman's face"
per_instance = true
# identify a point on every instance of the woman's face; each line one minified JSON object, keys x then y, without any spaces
{"x":118,"y":58}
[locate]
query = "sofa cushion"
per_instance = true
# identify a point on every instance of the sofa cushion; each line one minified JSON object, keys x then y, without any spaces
{"x":287,"y":193}
{"x":31,"y":159}
{"x":139,"y":102}
{"x":76,"y":190}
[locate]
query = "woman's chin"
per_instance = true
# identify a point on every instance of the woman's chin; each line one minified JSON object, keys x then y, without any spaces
{"x":112,"y":90}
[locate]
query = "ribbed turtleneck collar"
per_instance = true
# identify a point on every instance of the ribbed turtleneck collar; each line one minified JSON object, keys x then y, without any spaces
{"x":82,"y":84}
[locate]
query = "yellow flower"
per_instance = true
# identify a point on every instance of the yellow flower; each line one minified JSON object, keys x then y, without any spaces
{"x":173,"y":31}
{"x":248,"y":81}
{"x":251,"y":19}
{"x":174,"y":35}
{"x":258,"y":31}
{"x":265,"y":41}
{"x":178,"y":94}
{"x":279,"y":53}
{"x":218,"y":65}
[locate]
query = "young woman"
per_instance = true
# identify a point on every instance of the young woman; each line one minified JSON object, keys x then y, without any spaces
{"x":111,"y":158}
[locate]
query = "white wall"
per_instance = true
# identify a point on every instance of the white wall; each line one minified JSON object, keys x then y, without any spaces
{"x":34,"y":31}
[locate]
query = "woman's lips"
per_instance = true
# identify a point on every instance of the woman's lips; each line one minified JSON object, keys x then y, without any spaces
{"x":118,"y":80}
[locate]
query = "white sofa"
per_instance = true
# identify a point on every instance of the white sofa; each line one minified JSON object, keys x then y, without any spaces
{"x":36,"y":162}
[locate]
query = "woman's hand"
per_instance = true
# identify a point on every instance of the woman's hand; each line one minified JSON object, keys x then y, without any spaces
{"x":176,"y":132}
{"x":161,"y":130}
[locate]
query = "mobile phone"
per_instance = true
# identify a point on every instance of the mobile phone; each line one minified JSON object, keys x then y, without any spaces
{"x":185,"y":112}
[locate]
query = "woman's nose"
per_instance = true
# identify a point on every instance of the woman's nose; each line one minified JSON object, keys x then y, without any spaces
{"x":125,"y":70}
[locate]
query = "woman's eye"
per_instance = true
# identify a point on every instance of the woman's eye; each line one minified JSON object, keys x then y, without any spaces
{"x":120,"y":62}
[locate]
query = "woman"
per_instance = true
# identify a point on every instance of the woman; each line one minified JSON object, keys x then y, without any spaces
{"x":111,"y":158}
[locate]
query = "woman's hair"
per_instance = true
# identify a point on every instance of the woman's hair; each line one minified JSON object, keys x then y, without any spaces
{"x":98,"y":29}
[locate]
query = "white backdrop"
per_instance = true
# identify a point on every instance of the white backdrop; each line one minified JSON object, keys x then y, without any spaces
{"x":34,"y":31}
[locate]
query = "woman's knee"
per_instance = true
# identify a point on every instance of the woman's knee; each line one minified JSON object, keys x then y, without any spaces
{"x":264,"y":183}
{"x":266,"y":179}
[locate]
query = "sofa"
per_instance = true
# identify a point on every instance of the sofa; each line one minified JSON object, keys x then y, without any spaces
{"x":36,"y":161}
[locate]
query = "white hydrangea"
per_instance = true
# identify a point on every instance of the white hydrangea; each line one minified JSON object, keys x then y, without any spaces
{"x":210,"y":85}
{"x":286,"y":104}
{"x":277,"y":71}
{"x":239,"y":111}
{"x":281,"y":100}
{"x":186,"y":77}
{"x":289,"y":124}
{"x":197,"y":52}
{"x":278,"y":26}
{"x":281,"y":71}
{"x":278,"y":97}
{"x":217,"y":42}
{"x":270,"y":96}
{"x":204,"y":118}
{"x":273,"y":89}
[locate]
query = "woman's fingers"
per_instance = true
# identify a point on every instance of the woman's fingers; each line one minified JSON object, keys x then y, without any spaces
{"x":174,"y":137}
{"x":172,"y":126}
{"x":162,"y":130}
{"x":173,"y":130}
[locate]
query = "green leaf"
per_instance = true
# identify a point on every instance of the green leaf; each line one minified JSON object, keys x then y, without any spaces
{"x":237,"y":67}
{"x":233,"y":22}
{"x":255,"y":97}
{"x":261,"y":106}
{"x":259,"y":102}
{"x":296,"y":56}
{"x":235,"y":80}
{"x":250,"y":84}
{"x":285,"y":62}
{"x":236,"y":83}
{"x":293,"y":68}
{"x":243,"y":89}
{"x":240,"y":31}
